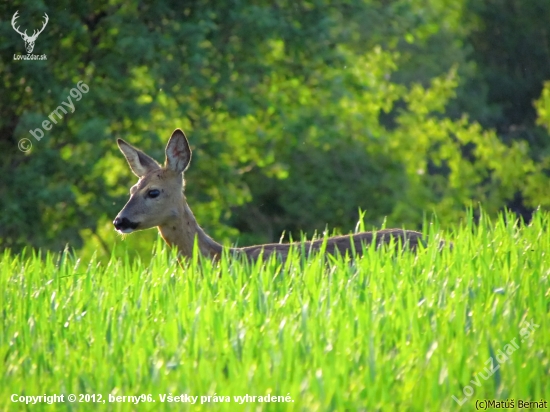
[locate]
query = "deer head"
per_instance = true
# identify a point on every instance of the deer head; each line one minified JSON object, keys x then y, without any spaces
{"x":157,"y":198}
{"x":29,"y":40}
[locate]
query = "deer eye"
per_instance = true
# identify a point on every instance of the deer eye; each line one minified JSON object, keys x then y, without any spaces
{"x":153,"y":193}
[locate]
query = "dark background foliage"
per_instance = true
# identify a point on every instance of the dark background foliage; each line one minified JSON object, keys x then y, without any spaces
{"x":299,"y":113}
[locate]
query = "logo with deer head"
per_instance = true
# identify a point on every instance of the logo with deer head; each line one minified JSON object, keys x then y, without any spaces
{"x":29,"y":40}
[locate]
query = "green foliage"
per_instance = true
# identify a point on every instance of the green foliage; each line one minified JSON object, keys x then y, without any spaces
{"x":386,"y":332}
{"x":299,"y":114}
{"x":543,"y":107}
{"x":423,"y":161}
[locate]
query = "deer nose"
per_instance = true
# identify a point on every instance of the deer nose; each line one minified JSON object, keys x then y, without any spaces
{"x":118,"y":223}
{"x":123,"y":223}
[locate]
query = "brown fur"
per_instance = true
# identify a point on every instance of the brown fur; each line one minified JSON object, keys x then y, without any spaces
{"x":170,"y":212}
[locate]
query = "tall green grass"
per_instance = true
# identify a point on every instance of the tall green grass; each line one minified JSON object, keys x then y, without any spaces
{"x":388,"y":331}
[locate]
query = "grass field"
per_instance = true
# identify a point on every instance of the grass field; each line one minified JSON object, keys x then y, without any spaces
{"x":387,"y":332}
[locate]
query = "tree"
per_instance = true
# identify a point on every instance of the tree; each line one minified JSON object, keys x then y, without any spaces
{"x":284,"y":103}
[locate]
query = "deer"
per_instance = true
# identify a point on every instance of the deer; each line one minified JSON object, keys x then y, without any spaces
{"x":29,"y":40}
{"x":158,"y":200}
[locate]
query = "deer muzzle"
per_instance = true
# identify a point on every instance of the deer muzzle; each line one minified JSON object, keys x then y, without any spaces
{"x":124,"y":225}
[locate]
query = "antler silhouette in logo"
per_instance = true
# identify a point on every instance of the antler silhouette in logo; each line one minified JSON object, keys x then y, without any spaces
{"x":29,"y":40}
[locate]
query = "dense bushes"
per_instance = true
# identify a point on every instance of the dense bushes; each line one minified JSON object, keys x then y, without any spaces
{"x":299,"y":114}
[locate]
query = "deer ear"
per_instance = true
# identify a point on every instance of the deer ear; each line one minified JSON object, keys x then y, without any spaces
{"x":178,"y":153}
{"x":139,"y":162}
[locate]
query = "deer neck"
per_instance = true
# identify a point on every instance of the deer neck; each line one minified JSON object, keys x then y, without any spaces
{"x":182,"y":230}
